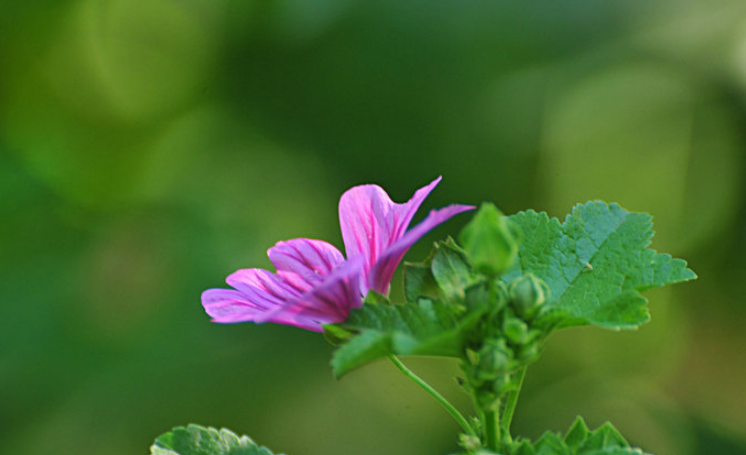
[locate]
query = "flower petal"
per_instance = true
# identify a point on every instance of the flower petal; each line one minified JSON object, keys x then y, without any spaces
{"x":229,"y":306}
{"x":304,"y":263}
{"x":328,"y":302}
{"x":371,"y":222}
{"x":383,"y":270}
{"x":263,"y":288}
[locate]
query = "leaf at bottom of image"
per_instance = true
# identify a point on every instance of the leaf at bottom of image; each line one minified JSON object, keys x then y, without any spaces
{"x":198,"y":440}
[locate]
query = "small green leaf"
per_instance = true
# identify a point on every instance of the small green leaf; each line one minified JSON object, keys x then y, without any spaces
{"x":551,"y":444}
{"x":425,"y":327}
{"x":490,"y":240}
{"x":419,"y":282}
{"x":616,"y":451}
{"x":605,"y":440}
{"x":197,"y":440}
{"x":595,"y":264}
{"x":336,"y":334}
{"x":523,"y":447}
{"x":451,"y":269}
{"x":361,"y":349}
{"x":376,"y":298}
{"x":604,"y":437}
{"x":577,"y":434}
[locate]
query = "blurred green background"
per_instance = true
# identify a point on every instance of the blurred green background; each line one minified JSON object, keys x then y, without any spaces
{"x":148,"y":148}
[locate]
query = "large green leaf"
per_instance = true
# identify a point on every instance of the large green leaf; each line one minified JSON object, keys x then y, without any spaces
{"x":425,"y":327}
{"x":197,"y":440}
{"x":596,"y":263}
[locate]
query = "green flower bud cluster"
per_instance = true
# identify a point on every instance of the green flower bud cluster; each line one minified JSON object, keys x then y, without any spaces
{"x":488,"y":371}
{"x":527,"y":295}
{"x":507,"y":340}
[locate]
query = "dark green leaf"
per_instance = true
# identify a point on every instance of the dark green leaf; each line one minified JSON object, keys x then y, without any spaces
{"x":605,"y":440}
{"x":523,"y":447}
{"x":616,"y":451}
{"x":419,"y":282}
{"x":577,"y":434}
{"x":336,"y":334}
{"x":424,"y":327}
{"x":369,"y":345}
{"x":551,"y":444}
{"x":376,"y":298}
{"x":197,"y":440}
{"x":605,"y":437}
{"x":451,"y":270}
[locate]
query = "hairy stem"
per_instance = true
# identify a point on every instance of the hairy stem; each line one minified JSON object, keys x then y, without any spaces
{"x":512,"y":400}
{"x":433,"y":393}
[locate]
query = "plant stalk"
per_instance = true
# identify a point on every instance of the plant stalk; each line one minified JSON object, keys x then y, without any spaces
{"x":510,"y":404}
{"x":434,"y":393}
{"x":491,"y":429}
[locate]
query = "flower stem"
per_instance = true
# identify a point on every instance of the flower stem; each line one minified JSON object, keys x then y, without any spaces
{"x":491,"y":429}
{"x":438,"y":397}
{"x":509,"y":409}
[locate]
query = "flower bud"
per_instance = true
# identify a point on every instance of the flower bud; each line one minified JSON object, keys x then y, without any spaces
{"x":527,"y":294}
{"x":529,"y":352}
{"x":477,"y":295}
{"x":491,"y":240}
{"x":516,"y":331}
{"x":495,"y":359}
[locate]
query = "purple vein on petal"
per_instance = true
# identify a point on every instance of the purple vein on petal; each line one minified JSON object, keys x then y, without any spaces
{"x":328,"y":302}
{"x":383,"y":270}
{"x":303,"y":263}
{"x":371,"y":222}
{"x":228,"y":305}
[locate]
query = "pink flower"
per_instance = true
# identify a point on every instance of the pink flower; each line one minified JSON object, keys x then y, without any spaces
{"x":314,"y":284}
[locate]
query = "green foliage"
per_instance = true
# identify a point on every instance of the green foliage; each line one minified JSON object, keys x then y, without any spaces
{"x":197,"y":440}
{"x":579,"y":440}
{"x":419,"y":281}
{"x":595,"y":264}
{"x":451,"y":270}
{"x":494,"y":302}
{"x":425,"y":327}
{"x":491,"y":240}
{"x":589,"y":270}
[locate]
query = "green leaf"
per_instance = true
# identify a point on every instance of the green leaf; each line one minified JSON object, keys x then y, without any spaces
{"x":197,"y":440}
{"x":376,"y":298}
{"x":604,"y":437}
{"x":336,"y":334}
{"x":605,"y":440}
{"x":424,"y":327}
{"x":364,"y":348}
{"x":451,"y":269}
{"x":595,"y":263}
{"x":577,"y":434}
{"x":551,"y":444}
{"x":523,"y":447}
{"x":419,"y":282}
